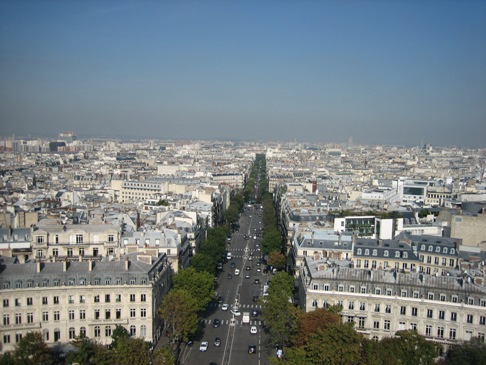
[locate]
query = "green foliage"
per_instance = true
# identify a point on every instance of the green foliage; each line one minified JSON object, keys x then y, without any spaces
{"x":32,"y":350}
{"x":199,"y":284}
{"x":203,"y":263}
{"x":232,"y":214}
{"x":179,"y":310}
{"x":119,"y":333}
{"x":271,"y":240}
{"x":163,"y":356}
{"x":409,"y":348}
{"x":423,"y":213}
{"x":84,"y":353}
{"x":131,"y":351}
{"x":163,"y":202}
{"x":468,"y":353}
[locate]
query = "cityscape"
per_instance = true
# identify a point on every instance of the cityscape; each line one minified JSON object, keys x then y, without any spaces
{"x":242,"y":183}
{"x":93,"y":232}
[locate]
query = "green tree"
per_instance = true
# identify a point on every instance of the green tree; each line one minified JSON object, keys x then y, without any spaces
{"x":468,"y":353}
{"x":199,"y":284}
{"x":232,"y":214}
{"x":131,"y":351}
{"x":277,"y":260}
{"x":339,"y":344}
{"x":119,"y":333}
{"x":410,"y":348}
{"x":163,"y":356}
{"x":203,"y":263}
{"x":32,"y":350}
{"x":84,"y":353}
{"x":271,"y":240}
{"x":178,"y":310}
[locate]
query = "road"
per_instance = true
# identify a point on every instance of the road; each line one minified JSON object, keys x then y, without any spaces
{"x":238,"y":293}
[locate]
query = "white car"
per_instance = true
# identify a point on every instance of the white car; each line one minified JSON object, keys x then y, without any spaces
{"x":204,"y":346}
{"x":237,"y":272}
{"x":224,"y":307}
{"x":236,"y":312}
{"x":253,"y":330}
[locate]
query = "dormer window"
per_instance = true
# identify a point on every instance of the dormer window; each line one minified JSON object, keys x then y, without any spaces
{"x":397,"y":253}
{"x":453,"y":251}
{"x":405,"y":255}
{"x":375,"y":252}
{"x":444,"y":250}
{"x":431,"y":248}
{"x":367,"y":252}
{"x":386,"y":253}
{"x":422,"y":248}
{"x":437,"y":249}
{"x":358,"y":252}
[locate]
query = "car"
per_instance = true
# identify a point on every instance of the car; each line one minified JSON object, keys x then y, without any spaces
{"x":258,"y":269}
{"x":255,"y":298}
{"x":252,"y":349}
{"x":237,"y":272}
{"x":225,"y":307}
{"x":216,"y":323}
{"x":250,"y":258}
{"x":236,"y":312}
{"x":253,"y":330}
{"x":248,"y":268}
{"x":220,"y":266}
{"x":257,"y":281}
{"x":254,"y":313}
{"x":220,"y":300}
{"x":247,"y":276}
{"x":217,"y":341}
{"x":229,"y":275}
{"x":254,"y":237}
{"x":258,"y":264}
{"x":203,"y":347}
{"x":233,"y":265}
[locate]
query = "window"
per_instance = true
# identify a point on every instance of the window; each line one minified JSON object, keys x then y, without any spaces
{"x":70,"y":252}
{"x":377,"y":291}
{"x":453,"y":316}
{"x":340,"y":288}
{"x":82,"y":332}
{"x":386,"y":253}
{"x":389,"y":292}
{"x":6,"y":338}
{"x":388,"y":308}
{"x":107,"y":298}
{"x":97,"y":281}
{"x":351,"y":305}
{"x":143,"y":330}
{"x":96,"y":298}
{"x":326,"y":288}
{"x":18,"y":302}
{"x":56,"y":300}
{"x":40,"y":240}
{"x":71,"y":315}
{"x":18,"y":337}
{"x":428,"y":330}
{"x":133,"y":330}
{"x":470,"y":301}
{"x":452,"y":333}
{"x":403,"y":293}
{"x":97,"y":331}
{"x":82,"y":299}
{"x":79,"y":238}
{"x":18,"y":318}
{"x":362,"y":306}
{"x":132,"y":313}
{"x":377,"y":308}
{"x":5,"y":303}
{"x":143,"y":313}
{"x":376,"y":325}
{"x":57,"y":315}
{"x":71,"y":299}
{"x":118,"y":313}
{"x":108,"y":331}
{"x":111,"y":238}
{"x":315,"y":286}
{"x":107,"y":314}
{"x":386,"y":324}
{"x":403,"y":310}
{"x":469,"y":318}
{"x":107,"y":281}
{"x":413,"y":326}
{"x":132,"y":297}
{"x":29,"y":301}
{"x":45,"y":316}
{"x":6,"y":320}
{"x":351,"y":289}
{"x":440,"y":332}
{"x":363,"y":290}
{"x":430,"y":296}
{"x":118,"y":298}
{"x":455,"y":299}
{"x":143,"y":297}
{"x":361,"y":322}
{"x":414,"y":311}
{"x":430,"y":313}
{"x":82,"y":314}
{"x":72,"y":333}
{"x":482,"y":320}
{"x":133,"y":281}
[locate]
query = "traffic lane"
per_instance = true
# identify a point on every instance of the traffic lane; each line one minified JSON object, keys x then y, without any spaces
{"x":243,"y":339}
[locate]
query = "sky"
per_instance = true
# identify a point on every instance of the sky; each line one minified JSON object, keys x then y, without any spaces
{"x":380,"y":72}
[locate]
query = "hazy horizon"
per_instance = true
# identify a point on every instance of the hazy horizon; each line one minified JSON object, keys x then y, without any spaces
{"x":381,"y":72}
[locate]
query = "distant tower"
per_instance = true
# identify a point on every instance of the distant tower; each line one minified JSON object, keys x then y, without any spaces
{"x":350,"y":142}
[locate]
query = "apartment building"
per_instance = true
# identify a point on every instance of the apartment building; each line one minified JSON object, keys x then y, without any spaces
{"x":445,"y":309}
{"x":62,"y":300}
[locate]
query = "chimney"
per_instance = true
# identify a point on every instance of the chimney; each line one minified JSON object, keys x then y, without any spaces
{"x":64,"y":265}
{"x":90,"y":265}
{"x":127,"y":263}
{"x":38,"y":265}
{"x":80,"y":258}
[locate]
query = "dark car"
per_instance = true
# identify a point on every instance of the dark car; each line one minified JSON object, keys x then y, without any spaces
{"x":255,"y":298}
{"x":252,"y":349}
{"x":257,"y":281}
{"x":216,"y":323}
{"x":220,"y":300}
{"x":233,"y":265}
{"x":217,"y":342}
{"x":229,"y":275}
{"x":254,"y":313}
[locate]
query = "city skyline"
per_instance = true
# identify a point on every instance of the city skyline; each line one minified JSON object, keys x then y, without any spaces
{"x":398,"y":73}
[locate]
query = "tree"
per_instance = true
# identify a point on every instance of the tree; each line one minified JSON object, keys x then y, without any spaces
{"x":131,"y":351}
{"x":84,"y":353}
{"x":339,"y":344}
{"x":232,"y":213}
{"x":467,"y":353}
{"x":410,"y":348}
{"x":199,"y":284}
{"x":277,"y":259}
{"x":163,"y":356}
{"x":309,"y":322}
{"x":179,"y":313}
{"x":119,"y":333}
{"x":271,"y":240}
{"x":203,"y":263}
{"x":32,"y":350}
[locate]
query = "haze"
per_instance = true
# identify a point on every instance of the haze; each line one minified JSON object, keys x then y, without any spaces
{"x":381,"y":72}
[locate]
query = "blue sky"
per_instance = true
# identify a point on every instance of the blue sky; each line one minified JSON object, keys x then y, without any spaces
{"x":382,"y":72}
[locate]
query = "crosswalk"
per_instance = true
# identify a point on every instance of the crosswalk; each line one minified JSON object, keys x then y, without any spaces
{"x":236,"y":322}
{"x":241,"y":307}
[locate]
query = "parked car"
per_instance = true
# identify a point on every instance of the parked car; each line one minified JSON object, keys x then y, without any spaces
{"x":204,"y":346}
{"x":220,"y":300}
